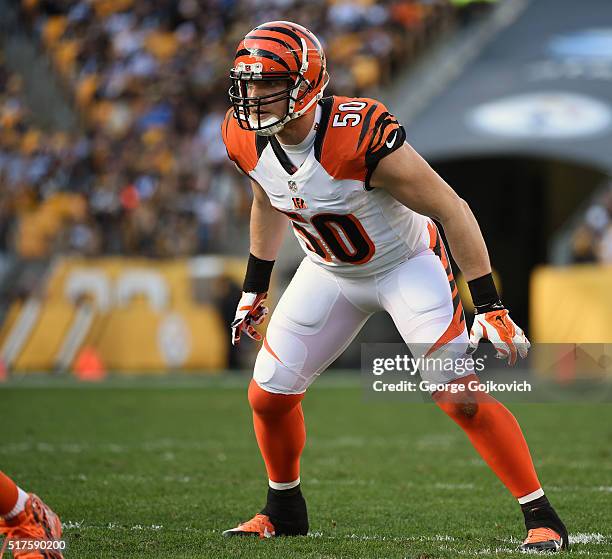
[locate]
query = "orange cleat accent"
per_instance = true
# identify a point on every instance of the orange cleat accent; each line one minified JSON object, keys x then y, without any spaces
{"x":542,"y":539}
{"x":259,"y":525}
{"x":37,"y":522}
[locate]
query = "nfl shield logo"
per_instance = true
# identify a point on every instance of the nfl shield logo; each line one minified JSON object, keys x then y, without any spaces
{"x":292,"y":186}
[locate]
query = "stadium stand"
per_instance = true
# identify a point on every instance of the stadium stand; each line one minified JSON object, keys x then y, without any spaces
{"x":35,"y":208}
{"x":148,"y":175}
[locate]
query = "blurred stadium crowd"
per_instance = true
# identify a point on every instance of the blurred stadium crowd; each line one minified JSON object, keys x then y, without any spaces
{"x":592,"y":239}
{"x":146,"y":172}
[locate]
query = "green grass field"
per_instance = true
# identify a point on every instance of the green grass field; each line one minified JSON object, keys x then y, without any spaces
{"x":159,"y":470}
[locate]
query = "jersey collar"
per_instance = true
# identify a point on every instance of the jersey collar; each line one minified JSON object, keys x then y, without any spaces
{"x":261,"y":142}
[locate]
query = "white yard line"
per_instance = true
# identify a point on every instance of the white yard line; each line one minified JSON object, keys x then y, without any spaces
{"x":156,"y":446}
{"x":445,"y":540}
{"x":590,"y":538}
{"x":454,"y":486}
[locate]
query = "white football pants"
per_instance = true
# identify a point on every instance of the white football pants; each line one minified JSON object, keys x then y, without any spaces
{"x":321,"y":312}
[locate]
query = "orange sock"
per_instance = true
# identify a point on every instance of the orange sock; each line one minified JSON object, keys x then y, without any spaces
{"x":8,"y":494}
{"x":495,"y":434}
{"x":280,"y":431}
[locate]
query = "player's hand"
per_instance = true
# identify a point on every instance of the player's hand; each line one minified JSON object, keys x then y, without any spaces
{"x":250,"y":313}
{"x":497,"y":327}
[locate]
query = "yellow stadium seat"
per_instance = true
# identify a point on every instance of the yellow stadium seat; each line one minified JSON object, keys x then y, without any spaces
{"x":86,"y":89}
{"x":162,"y":45}
{"x":344,"y":46}
{"x":105,"y":8}
{"x":366,"y":71}
{"x":53,"y":29}
{"x":65,"y":55}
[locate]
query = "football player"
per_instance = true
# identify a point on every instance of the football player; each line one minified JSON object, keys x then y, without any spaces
{"x":361,"y":203}
{"x":25,"y":518}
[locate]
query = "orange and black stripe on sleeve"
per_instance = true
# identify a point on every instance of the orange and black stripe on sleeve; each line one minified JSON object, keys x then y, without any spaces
{"x":387,"y":136}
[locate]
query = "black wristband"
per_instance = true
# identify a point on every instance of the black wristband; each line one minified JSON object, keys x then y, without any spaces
{"x":484,"y":294}
{"x":257,"y":278}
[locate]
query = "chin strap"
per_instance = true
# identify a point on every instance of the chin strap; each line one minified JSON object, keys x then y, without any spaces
{"x":276,"y":128}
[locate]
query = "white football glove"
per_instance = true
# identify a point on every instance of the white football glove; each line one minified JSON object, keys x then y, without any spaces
{"x":497,"y":327}
{"x":250,"y":313}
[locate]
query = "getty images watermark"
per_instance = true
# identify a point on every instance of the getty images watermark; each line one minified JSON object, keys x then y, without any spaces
{"x":443,"y":369}
{"x":551,"y":373}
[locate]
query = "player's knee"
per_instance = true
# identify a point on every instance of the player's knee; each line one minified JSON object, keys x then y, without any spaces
{"x":467,"y":410}
{"x":260,"y":400}
{"x":465,"y":403}
{"x":267,"y":403}
{"x":286,"y":376}
{"x":460,"y":410}
{"x":468,"y":406}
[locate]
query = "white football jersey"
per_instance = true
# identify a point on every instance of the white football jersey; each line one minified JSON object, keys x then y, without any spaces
{"x":341,"y":223}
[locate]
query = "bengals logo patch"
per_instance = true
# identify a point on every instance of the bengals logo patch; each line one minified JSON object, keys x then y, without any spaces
{"x":299,"y":204}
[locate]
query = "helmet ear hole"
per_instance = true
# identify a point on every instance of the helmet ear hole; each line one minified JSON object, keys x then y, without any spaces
{"x":304,"y":88}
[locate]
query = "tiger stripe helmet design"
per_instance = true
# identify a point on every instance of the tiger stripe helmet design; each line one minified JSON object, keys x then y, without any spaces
{"x":277,"y":50}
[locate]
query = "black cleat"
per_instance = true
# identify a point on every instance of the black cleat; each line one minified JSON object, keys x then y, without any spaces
{"x":545,"y":530}
{"x":285,"y":514}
